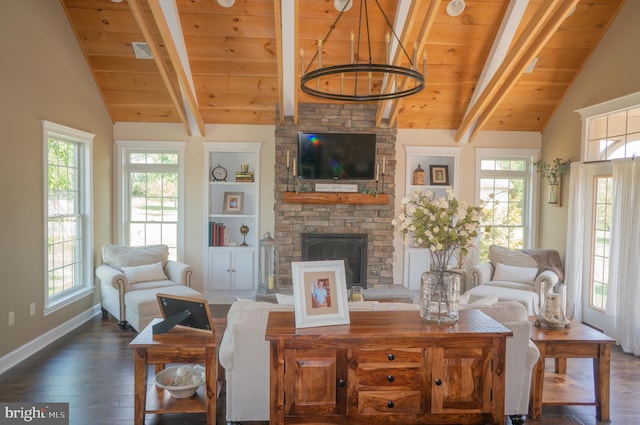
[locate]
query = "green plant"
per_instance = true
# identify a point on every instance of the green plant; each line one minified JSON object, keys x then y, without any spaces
{"x":445,"y":226}
{"x":552,"y":172}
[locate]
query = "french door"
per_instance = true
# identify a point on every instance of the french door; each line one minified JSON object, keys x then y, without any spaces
{"x":597,"y":233}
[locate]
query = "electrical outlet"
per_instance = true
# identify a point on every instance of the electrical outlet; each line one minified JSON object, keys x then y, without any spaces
{"x":12,"y":318}
{"x":32,"y":309}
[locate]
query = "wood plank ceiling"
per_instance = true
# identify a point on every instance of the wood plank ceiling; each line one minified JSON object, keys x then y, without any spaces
{"x":241,"y":64}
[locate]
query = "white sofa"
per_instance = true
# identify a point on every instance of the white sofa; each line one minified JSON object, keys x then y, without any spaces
{"x":131,"y":276}
{"x":518,"y":275}
{"x":244,"y":354}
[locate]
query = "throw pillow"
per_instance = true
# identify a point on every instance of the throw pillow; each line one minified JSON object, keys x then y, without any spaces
{"x":145,"y":273}
{"x":515,"y":273}
{"x":284,"y":299}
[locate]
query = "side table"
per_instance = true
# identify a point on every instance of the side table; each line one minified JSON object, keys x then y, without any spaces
{"x":180,"y":345}
{"x":578,"y":341}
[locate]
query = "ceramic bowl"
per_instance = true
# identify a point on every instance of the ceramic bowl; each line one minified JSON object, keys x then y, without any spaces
{"x":181,"y":381}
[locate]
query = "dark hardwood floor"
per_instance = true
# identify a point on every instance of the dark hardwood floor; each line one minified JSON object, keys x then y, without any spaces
{"x":91,"y":368}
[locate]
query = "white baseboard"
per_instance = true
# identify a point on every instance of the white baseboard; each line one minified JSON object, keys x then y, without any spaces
{"x":19,"y":354}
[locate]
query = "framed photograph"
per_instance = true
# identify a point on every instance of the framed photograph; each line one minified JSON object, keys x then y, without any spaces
{"x":439,"y":175}
{"x":319,"y":293}
{"x":233,"y":202}
{"x":189,"y":312}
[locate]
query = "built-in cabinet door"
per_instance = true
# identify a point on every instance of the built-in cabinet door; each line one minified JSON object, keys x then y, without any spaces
{"x":315,"y":382}
{"x":231,"y":268}
{"x":461,"y":379}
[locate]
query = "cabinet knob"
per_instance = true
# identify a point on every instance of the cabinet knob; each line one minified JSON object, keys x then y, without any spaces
{"x":228,"y":270}
{"x":391,"y":357}
{"x":438,"y":381}
{"x":390,"y":404}
{"x":390,"y":378}
{"x":341,"y":383}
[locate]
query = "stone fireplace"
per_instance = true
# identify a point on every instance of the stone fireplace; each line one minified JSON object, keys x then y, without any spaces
{"x":294,"y":219}
{"x":352,"y":248}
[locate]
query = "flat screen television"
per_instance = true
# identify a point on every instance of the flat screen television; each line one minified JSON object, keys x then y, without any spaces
{"x":336,"y":156}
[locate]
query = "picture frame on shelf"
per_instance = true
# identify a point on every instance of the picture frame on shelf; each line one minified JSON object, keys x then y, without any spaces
{"x":233,"y":203}
{"x":439,"y":175}
{"x":319,"y":293}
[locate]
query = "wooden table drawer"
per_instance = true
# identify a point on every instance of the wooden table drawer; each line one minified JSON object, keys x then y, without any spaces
{"x":391,"y":402}
{"x":390,"y":356}
{"x":393,"y":378}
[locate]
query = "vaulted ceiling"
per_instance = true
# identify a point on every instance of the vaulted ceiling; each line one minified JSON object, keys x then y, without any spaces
{"x":241,"y":64}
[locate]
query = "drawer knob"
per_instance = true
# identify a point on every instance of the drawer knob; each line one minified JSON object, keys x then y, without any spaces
{"x":390,"y":404}
{"x":341,"y":383}
{"x":438,"y":381}
{"x":390,"y":378}
{"x":391,"y":357}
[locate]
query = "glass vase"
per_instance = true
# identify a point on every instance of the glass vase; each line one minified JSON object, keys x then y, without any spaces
{"x":440,"y":296}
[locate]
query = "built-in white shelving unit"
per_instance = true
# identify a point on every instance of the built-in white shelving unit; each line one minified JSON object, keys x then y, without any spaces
{"x":416,"y":260}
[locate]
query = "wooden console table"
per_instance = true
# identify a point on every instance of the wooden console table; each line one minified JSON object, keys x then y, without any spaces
{"x":388,"y":367}
{"x":179,"y":345}
{"x":578,"y":341}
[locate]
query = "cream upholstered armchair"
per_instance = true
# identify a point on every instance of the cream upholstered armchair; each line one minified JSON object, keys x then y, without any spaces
{"x":519,"y":275}
{"x":133,"y":268}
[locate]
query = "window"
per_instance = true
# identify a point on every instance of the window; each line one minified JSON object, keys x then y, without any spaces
{"x":613,"y":135}
{"x":151,"y":194}
{"x":506,"y":191}
{"x":612,"y":131}
{"x":67,"y":173}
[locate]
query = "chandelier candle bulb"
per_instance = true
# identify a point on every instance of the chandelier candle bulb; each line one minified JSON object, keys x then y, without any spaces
{"x":424,"y":64}
{"x":387,"y":39}
{"x":352,"y":40}
{"x":294,"y":169}
{"x":302,"y":61}
{"x":384,"y":162}
{"x":287,"y":160}
{"x":415,"y":55}
{"x":319,"y":53}
{"x":377,"y":170}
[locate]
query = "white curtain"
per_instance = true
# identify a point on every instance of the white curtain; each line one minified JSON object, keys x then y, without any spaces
{"x":575,"y":240}
{"x":623,"y":297}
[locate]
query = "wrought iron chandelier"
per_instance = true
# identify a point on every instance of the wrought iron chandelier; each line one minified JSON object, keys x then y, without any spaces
{"x":366,"y":81}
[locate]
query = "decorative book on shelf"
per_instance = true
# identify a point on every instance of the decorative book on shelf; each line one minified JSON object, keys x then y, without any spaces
{"x":216,"y":234}
{"x":244,"y":176}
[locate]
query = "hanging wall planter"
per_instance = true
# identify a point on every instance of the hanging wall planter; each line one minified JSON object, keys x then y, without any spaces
{"x":553,"y":175}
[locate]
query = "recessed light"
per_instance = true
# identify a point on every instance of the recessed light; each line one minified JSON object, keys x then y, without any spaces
{"x":455,"y":7}
{"x":226,"y":3}
{"x":339,"y":4}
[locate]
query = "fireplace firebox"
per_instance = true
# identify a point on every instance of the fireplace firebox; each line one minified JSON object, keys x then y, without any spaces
{"x":352,"y":248}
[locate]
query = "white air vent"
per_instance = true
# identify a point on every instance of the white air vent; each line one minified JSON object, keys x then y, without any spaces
{"x":141,"y":50}
{"x":529,"y":69}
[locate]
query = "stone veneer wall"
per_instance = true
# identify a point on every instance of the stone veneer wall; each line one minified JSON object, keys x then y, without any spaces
{"x":291,"y":220}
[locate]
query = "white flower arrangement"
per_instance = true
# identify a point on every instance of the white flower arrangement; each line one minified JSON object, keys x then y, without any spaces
{"x":445,"y":226}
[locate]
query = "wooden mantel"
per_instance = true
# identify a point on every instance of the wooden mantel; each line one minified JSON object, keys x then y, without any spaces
{"x":334,"y":198}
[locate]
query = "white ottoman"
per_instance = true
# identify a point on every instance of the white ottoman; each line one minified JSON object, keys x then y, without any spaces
{"x":142,"y":306}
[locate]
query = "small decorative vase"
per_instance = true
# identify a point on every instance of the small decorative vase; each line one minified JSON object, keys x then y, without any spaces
{"x":440,"y":296}
{"x":553,"y":193}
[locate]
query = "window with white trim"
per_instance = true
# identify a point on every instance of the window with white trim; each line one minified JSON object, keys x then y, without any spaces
{"x":506,"y":193}
{"x":151,"y":194}
{"x":67,"y":175}
{"x":613,"y":135}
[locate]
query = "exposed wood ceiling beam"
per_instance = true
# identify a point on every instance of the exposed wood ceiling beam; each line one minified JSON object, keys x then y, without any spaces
{"x":541,"y":39}
{"x":427,"y":24}
{"x":505,"y":36}
{"x":174,"y":93}
{"x":541,"y":27}
{"x":179,"y":65}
